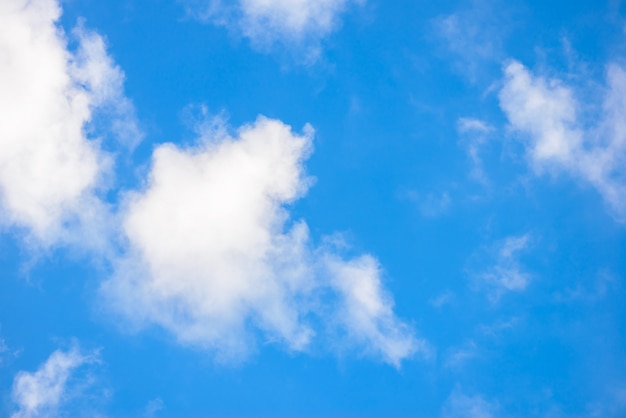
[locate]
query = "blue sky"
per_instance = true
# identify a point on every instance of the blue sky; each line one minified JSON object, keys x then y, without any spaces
{"x":338,"y":208}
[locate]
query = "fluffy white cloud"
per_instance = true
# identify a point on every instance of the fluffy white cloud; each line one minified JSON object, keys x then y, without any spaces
{"x":557,"y":137}
{"x":213,"y":258}
{"x":267,"y":21}
{"x":49,"y":169}
{"x":42,"y":393}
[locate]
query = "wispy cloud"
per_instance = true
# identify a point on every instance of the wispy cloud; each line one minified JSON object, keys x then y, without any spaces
{"x":442,"y":299}
{"x":475,"y":133}
{"x":365,"y":311}
{"x":559,"y":138}
{"x":592,"y":292}
{"x":461,"y":405}
{"x":154,"y":407}
{"x":3,"y":349}
{"x":302,"y":23}
{"x":430,"y":205}
{"x":506,"y":273}
{"x":500,"y":326}
{"x":7,"y":353}
{"x":459,"y":356}
{"x":473,"y":36}
{"x":44,"y":392}
{"x":613,"y":404}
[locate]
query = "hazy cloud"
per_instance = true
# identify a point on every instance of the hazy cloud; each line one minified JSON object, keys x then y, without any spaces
{"x":457,"y":357}
{"x":460,"y":405}
{"x":474,"y":133}
{"x":507,"y":273}
{"x":473,"y":36}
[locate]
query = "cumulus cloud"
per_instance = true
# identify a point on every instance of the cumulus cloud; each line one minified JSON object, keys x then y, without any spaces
{"x":213,"y":257}
{"x":265,"y":22}
{"x":507,"y":275}
{"x":558,"y":138}
{"x":49,"y":168}
{"x":43,"y":392}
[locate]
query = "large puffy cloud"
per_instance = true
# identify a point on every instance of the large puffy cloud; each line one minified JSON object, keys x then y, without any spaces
{"x":43,"y":392}
{"x":267,"y":21}
{"x":213,"y":257}
{"x":49,"y":169}
{"x":591,"y":147}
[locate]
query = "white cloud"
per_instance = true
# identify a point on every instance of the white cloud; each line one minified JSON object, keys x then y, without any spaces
{"x":460,"y":405}
{"x":93,"y":69}
{"x":43,"y":393}
{"x":558,"y":139}
{"x":265,"y":22}
{"x":507,"y":275}
{"x":475,"y":133}
{"x":366,"y":311}
{"x":49,"y":169}
{"x":213,"y":258}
